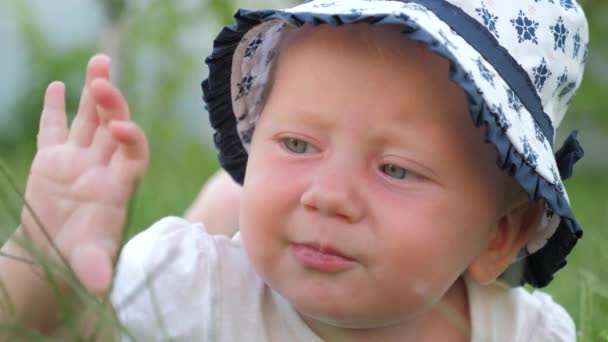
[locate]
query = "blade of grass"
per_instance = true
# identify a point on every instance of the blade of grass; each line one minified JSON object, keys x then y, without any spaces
{"x":24,"y":333}
{"x":6,"y":302}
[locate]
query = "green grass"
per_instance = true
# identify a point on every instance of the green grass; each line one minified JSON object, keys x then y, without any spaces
{"x":582,"y":286}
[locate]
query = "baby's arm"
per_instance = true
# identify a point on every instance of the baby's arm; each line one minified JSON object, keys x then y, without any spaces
{"x":217,"y":205}
{"x":77,"y":194}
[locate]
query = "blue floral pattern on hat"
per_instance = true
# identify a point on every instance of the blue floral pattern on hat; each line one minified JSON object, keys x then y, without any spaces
{"x":567,"y":90}
{"x":568,"y":4}
{"x":489,"y":19}
{"x":244,"y":85}
{"x":539,"y":134}
{"x":502,"y":119}
{"x":485,"y":72}
{"x":514,"y":102}
{"x":247,"y":134}
{"x":526,"y":28}
{"x":541,"y":74}
{"x":557,"y":180}
{"x":577,"y":45}
{"x":585,"y":54}
{"x":560,"y":33}
{"x":563,"y":78}
{"x":253,"y":45}
{"x":530,"y":154}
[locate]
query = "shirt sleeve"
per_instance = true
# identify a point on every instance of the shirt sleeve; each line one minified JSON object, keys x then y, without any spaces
{"x":555,"y":324}
{"x":155,"y":295}
{"x":501,"y":313}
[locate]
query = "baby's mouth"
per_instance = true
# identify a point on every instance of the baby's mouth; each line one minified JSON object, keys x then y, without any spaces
{"x":321,"y":257}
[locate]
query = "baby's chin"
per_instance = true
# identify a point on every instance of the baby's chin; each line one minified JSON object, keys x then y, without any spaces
{"x":363,"y":317}
{"x":339,"y":304}
{"x":357,"y":322}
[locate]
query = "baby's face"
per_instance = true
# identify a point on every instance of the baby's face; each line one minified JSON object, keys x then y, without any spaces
{"x":368,"y":190}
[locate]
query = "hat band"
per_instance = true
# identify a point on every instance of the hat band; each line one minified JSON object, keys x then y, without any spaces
{"x":481,"y":40}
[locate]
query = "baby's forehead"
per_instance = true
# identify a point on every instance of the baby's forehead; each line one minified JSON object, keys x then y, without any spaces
{"x":382,"y":50}
{"x":409,"y":74}
{"x":359,"y":40}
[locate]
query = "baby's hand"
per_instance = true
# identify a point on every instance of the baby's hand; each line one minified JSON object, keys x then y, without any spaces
{"x":82,"y":177}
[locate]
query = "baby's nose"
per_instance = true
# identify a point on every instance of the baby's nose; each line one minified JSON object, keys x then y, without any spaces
{"x":333,"y":196}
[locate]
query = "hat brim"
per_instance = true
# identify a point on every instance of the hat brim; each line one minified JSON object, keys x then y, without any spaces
{"x":522,"y":149}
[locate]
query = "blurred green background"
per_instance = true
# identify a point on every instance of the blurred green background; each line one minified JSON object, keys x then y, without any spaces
{"x":158,"y":48}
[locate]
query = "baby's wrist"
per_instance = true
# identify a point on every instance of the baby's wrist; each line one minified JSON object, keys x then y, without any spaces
{"x":36,"y":267}
{"x":31,"y":282}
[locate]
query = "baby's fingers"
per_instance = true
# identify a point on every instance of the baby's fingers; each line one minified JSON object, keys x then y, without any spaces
{"x":111,"y":106}
{"x":133,"y":151}
{"x":53,"y":122}
{"x":86,"y":121}
{"x":114,"y":110}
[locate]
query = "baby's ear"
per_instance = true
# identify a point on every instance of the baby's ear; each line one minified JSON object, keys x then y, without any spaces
{"x":512,"y":232}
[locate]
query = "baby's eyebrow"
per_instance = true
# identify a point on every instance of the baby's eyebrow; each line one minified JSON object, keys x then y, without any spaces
{"x":310,"y":118}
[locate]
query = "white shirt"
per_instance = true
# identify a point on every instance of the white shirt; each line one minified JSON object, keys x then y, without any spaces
{"x":175,"y":281}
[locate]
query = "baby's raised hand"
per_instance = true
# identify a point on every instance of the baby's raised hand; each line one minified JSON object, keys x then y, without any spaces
{"x":81,"y":178}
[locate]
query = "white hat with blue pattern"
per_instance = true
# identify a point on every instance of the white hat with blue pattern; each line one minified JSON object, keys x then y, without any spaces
{"x":519,"y":62}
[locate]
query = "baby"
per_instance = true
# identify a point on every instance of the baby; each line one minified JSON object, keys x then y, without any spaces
{"x":372,"y":206}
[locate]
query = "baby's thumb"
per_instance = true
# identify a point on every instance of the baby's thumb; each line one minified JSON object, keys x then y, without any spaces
{"x":92,"y":263}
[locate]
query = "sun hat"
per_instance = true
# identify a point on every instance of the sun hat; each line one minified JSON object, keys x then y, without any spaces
{"x":519,"y":63}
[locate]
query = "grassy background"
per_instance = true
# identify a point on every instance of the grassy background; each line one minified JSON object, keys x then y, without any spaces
{"x":182,"y":159}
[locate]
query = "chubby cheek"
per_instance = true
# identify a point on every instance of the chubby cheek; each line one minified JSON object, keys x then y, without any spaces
{"x":427,"y":244}
{"x":271,"y":193}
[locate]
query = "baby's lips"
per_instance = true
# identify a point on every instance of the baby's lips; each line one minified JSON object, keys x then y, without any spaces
{"x":322,"y":258}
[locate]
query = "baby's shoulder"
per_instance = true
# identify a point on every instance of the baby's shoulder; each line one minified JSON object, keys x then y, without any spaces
{"x":501,"y":313}
{"x":176,"y":273}
{"x":173,"y":240}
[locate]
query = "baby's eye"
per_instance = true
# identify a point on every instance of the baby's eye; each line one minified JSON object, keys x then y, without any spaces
{"x":396,"y":172}
{"x":297,"y":146}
